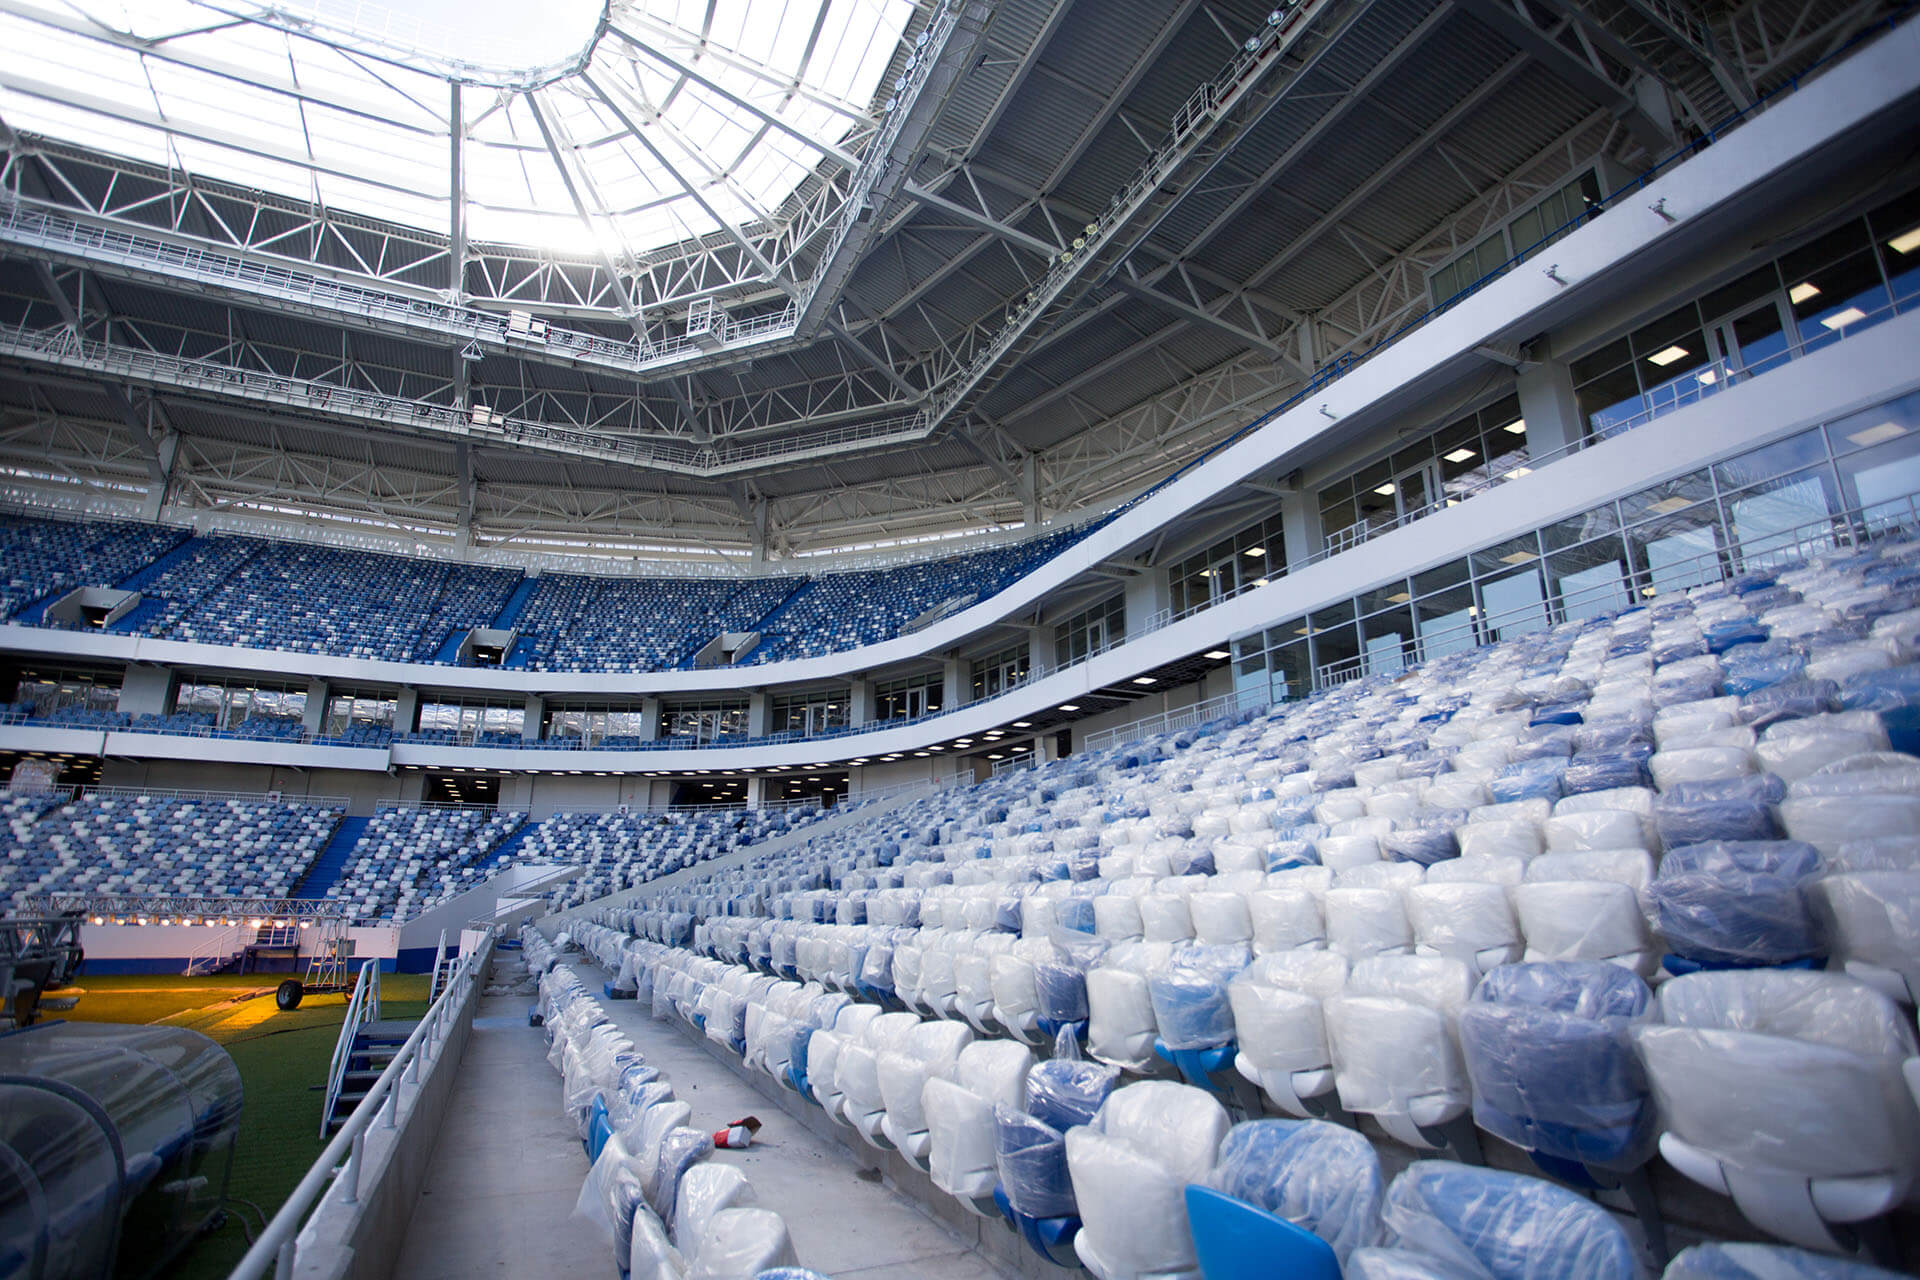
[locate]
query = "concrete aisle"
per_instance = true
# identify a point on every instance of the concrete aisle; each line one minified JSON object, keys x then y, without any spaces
{"x":507,"y":1168}
{"x":844,"y":1221}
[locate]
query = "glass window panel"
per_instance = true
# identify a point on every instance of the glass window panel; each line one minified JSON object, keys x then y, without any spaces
{"x":1591,"y":579}
{"x":1610,"y":401}
{"x":1508,"y":555}
{"x":1882,"y":479}
{"x":1668,"y":499}
{"x":1292,"y":671}
{"x":1607,"y":358}
{"x":1791,"y":454}
{"x":1393,"y":595}
{"x":1743,"y":292}
{"x":1513,"y":605}
{"x":1843,"y":241}
{"x":1388,"y":638}
{"x":1785,"y":516}
{"x":1896,"y":235}
{"x":1872,"y":427}
{"x":1440,"y":578}
{"x":1839,"y":298}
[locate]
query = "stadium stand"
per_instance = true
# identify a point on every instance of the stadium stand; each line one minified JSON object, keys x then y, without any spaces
{"x":410,"y":859}
{"x":161,"y":844}
{"x":621,"y":849}
{"x":44,"y":558}
{"x":1435,"y":899}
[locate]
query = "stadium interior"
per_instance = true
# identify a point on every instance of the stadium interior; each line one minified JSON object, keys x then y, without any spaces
{"x":809,"y":639}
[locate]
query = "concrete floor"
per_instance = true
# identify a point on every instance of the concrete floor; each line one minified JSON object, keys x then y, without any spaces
{"x":844,"y":1221}
{"x":508,"y":1168}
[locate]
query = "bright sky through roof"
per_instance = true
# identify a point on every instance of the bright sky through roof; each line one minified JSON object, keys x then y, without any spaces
{"x":177,"y":83}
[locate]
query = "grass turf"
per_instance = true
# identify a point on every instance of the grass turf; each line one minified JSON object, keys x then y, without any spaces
{"x":282,"y":1058}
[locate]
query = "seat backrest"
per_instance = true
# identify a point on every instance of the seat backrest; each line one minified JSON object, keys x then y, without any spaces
{"x":1729,"y":1261}
{"x":1818,"y":1008}
{"x":1503,"y":1225}
{"x":996,"y":1071}
{"x":1178,"y":1125}
{"x":1319,"y":1176}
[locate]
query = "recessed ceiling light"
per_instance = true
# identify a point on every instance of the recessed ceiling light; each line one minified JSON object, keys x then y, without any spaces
{"x":1518,"y":427}
{"x":1668,"y":355}
{"x":1068,"y":706}
{"x":1023,"y":724}
{"x":1217,"y":655}
{"x":1667,"y":506}
{"x":1874,"y":435}
{"x":1518,"y":472}
{"x":1303,"y":631}
{"x":1906,"y":241}
{"x":1518,"y":557}
{"x":1649,"y":591}
{"x":1386,"y":490}
{"x":1255,"y":552}
{"x":1398,"y":597}
{"x":1145,"y":680}
{"x":1841,"y":319}
{"x":1462,"y":454}
{"x":1708,"y":377}
{"x":996,"y":756}
{"x":920,"y":753}
{"x":1206,"y":573}
{"x":1804,"y":290}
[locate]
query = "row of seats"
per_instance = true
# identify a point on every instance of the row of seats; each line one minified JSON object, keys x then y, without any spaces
{"x":161,"y":845}
{"x":408,"y":860}
{"x":624,"y":848}
{"x":1147,"y":1179}
{"x":665,"y":1209}
{"x":1672,"y":846}
{"x":229,"y":589}
{"x":846,"y":610}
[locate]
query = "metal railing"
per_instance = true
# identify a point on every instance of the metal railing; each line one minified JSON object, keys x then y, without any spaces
{"x":1199,"y":713}
{"x":363,"y":1007}
{"x":336,"y":1174}
{"x":161,"y":795}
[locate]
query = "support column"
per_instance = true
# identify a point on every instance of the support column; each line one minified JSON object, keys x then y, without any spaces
{"x":536,"y":711}
{"x":649,"y":719}
{"x":315,"y":718}
{"x":1041,"y":653}
{"x":1300,"y":523}
{"x":146,"y":690}
{"x":759,"y":714}
{"x":406,"y":712}
{"x":757,"y":791}
{"x":954,"y":688}
{"x":860,"y":711}
{"x":1548,"y":404}
{"x":1148,"y":594}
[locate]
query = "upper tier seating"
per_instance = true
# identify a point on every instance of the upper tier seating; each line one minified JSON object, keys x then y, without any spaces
{"x":165,"y":844}
{"x":232,"y":589}
{"x":410,"y":859}
{"x":1276,"y":898}
{"x":45,"y":558}
{"x":845,"y":610}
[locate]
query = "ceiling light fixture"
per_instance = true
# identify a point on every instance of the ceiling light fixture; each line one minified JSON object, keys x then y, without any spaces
{"x":1068,"y":706}
{"x":1906,"y":241}
{"x":1217,"y":655}
{"x":1841,"y":319}
{"x":1462,"y":454}
{"x":1667,"y":355}
{"x":1804,"y":290}
{"x":1145,"y":680}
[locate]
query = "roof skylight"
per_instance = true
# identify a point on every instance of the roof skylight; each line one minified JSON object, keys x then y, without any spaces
{"x":589,"y":127}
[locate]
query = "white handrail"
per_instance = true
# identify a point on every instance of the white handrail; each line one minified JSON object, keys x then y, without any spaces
{"x":362,"y":1008}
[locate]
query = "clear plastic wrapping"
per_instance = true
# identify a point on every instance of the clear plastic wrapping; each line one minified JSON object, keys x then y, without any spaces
{"x":1792,"y":749}
{"x":1585,"y":920}
{"x":1190,"y":996}
{"x":1065,"y":1091}
{"x":1319,"y":1176}
{"x":1731,"y":1261}
{"x":706,"y":1190}
{"x":1395,"y":1052}
{"x":1367,"y":922}
{"x":1774,"y":1030}
{"x":1872,"y":921}
{"x":741,"y":1244}
{"x":1130,"y":1170}
{"x":613,"y":1191}
{"x":1285,"y":919}
{"x":1727,"y":809}
{"x":1737,"y":904}
{"x":1484,"y":1223}
{"x":1466,"y":920}
{"x":1552,"y":1066}
{"x":1120,"y":1022}
{"x":1277,"y":1009}
{"x":1031,"y":1157}
{"x":680,"y":1150}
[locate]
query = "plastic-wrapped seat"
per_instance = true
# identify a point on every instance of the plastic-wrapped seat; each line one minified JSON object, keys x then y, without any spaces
{"x":1280,"y":1028}
{"x":1367,"y":922}
{"x":857,"y":1073}
{"x":960,"y":1127}
{"x":1465,"y":920}
{"x":1730,"y":1261}
{"x":1287,"y":1197}
{"x":1030,"y":1150}
{"x":1130,"y":1169}
{"x":1394,"y":1035}
{"x":1120,"y":1022}
{"x":1442,"y":1220}
{"x":1727,"y":809}
{"x":1821,"y":1132}
{"x":1736,"y":904}
{"x":1871,"y":920}
{"x":927,"y":1052}
{"x":1555,"y":1073}
{"x":1872,"y":794}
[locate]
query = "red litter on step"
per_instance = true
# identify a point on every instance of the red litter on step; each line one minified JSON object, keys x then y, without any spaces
{"x":738,"y":1135}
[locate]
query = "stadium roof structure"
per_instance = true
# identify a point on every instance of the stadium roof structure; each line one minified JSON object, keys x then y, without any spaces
{"x":769,"y":276}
